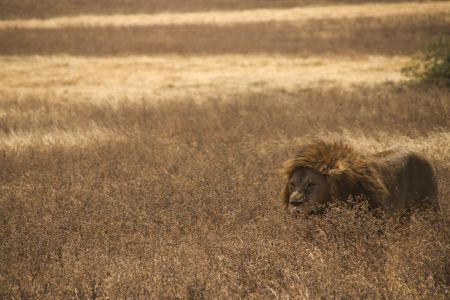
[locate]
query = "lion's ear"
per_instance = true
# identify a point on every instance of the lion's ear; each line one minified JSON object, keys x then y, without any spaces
{"x":338,"y":168}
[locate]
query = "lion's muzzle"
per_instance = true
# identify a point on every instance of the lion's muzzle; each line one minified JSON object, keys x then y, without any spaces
{"x":296,"y":199}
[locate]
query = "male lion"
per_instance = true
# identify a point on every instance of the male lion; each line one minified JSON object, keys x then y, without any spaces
{"x":395,"y":180}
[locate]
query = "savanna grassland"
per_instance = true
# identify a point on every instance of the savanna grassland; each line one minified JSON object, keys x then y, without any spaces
{"x":139,"y":153}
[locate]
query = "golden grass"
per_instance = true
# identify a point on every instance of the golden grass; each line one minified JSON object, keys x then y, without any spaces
{"x":434,"y":145}
{"x":172,"y":77}
{"x":300,"y":14}
{"x":79,"y":138}
{"x":181,"y":199}
{"x":155,"y":176}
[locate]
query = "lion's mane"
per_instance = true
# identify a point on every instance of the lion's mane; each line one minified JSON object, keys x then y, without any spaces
{"x":348,"y":172}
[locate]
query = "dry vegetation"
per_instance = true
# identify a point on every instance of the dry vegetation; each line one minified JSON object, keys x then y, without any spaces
{"x":297,"y":15}
{"x":360,"y":36}
{"x":183,"y":200}
{"x":166,"y":187}
{"x":12,"y":9}
{"x":168,"y":77}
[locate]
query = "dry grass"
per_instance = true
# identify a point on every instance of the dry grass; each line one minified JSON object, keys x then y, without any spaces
{"x":79,"y":137}
{"x":386,"y":36}
{"x":155,"y":177}
{"x":168,"y":77}
{"x":184,"y":202}
{"x":297,"y":15}
{"x":11,"y":9}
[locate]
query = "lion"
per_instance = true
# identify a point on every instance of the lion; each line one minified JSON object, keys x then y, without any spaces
{"x":394,"y":181}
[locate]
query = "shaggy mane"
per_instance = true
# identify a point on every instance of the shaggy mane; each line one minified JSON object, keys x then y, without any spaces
{"x":348,"y":172}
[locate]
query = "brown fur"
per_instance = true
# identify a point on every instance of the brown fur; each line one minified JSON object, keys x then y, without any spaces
{"x":395,"y":180}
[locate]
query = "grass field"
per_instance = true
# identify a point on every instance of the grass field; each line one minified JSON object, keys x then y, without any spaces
{"x":50,"y":8}
{"x":141,"y":161}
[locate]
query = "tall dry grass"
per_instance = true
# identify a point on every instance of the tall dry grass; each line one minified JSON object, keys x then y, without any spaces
{"x":183,"y":203}
{"x":168,"y":189}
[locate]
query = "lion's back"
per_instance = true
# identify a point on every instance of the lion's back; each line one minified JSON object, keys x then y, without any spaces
{"x":409,"y":178}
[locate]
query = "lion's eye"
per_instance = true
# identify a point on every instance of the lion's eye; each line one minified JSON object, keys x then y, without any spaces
{"x":309,"y":187}
{"x":291,"y":185}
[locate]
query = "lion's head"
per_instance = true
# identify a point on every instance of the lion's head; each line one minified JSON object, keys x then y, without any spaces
{"x":324,"y":171}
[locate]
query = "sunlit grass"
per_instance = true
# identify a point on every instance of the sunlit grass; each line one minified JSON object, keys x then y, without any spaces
{"x":39,"y":139}
{"x":171,"y":77}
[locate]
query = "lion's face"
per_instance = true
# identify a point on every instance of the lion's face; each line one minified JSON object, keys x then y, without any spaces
{"x":307,"y":192}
